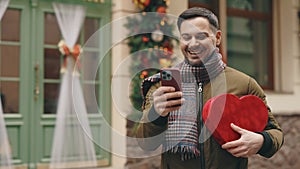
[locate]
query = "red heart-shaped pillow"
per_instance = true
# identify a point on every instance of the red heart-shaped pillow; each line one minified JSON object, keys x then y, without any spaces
{"x":248,"y":112}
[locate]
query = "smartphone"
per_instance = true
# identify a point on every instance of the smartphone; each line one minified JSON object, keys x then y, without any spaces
{"x":171,"y":77}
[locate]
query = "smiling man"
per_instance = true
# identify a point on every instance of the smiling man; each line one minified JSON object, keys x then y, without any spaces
{"x":174,"y":119}
{"x":198,"y":39}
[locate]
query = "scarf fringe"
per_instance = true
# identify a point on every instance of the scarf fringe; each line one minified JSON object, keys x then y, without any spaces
{"x":186,"y":152}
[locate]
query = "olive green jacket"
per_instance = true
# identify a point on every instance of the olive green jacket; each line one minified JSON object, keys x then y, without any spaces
{"x":150,"y":133}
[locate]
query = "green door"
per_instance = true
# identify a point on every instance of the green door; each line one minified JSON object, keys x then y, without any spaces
{"x":30,"y":78}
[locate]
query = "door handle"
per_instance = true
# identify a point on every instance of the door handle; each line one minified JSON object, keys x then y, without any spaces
{"x":37,"y":81}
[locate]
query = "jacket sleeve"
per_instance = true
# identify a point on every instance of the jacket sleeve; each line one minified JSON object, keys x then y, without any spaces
{"x":273,"y":135}
{"x":150,"y":131}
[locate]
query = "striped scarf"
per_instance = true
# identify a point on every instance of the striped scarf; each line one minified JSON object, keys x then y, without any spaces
{"x":182,"y":135}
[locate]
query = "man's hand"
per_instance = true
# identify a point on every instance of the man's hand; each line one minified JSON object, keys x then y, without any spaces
{"x":249,"y":143}
{"x":165,"y":100}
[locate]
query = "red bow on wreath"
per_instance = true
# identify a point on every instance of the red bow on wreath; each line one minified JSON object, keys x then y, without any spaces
{"x":65,"y":51}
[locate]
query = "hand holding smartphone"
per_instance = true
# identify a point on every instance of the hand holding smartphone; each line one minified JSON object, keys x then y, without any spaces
{"x":171,"y":77}
{"x":166,"y":101}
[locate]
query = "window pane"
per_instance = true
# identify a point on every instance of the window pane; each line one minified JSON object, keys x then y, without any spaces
{"x":9,"y":92}
{"x":251,"y":5}
{"x":52,"y":64}
{"x":91,"y":25}
{"x":51,"y":92}
{"x":10,"y":25}
{"x":52,"y":32}
{"x":9,"y":61}
{"x":248,"y":41}
{"x":91,"y":96}
{"x":90,"y":66}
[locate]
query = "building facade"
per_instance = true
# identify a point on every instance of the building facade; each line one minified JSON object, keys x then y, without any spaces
{"x":260,"y":37}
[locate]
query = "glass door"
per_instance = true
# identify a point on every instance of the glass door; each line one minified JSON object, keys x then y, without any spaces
{"x":15,"y":88}
{"x":30,"y":79}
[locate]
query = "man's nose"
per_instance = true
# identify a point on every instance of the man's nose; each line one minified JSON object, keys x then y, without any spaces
{"x":193,"y":42}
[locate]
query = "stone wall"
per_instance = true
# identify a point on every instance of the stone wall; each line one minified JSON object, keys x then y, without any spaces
{"x":286,"y":158}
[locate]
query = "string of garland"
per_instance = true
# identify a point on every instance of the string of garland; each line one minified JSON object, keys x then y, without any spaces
{"x":151,"y":43}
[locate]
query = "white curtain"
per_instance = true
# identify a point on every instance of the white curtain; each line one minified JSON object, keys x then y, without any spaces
{"x":3,"y":6}
{"x":72,"y":145}
{"x":5,"y":152}
{"x":70,"y":19}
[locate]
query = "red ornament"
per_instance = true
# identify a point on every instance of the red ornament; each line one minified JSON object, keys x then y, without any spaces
{"x":161,"y":9}
{"x":147,"y":2}
{"x":144,"y":74}
{"x":145,"y":39}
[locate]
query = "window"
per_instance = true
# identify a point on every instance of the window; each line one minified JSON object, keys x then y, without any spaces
{"x":249,"y":43}
{"x":10,"y":61}
{"x":209,"y":4}
{"x":249,"y":36}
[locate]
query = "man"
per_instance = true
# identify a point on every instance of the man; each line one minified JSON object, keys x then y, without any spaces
{"x":174,"y":119}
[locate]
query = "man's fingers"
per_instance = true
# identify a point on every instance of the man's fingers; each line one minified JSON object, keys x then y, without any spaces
{"x":173,"y":95}
{"x":165,"y":99}
{"x":239,"y":151}
{"x":234,"y":143}
{"x":163,"y":108}
{"x":237,"y":128}
{"x":170,"y":104}
{"x":231,"y":144}
{"x":163,"y":89}
{"x":176,"y":102}
{"x":167,"y":96}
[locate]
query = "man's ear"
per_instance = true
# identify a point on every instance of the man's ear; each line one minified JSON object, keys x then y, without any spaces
{"x":218,"y":38}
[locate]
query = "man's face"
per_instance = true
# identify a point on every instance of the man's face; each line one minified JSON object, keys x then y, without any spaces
{"x":197,"y":40}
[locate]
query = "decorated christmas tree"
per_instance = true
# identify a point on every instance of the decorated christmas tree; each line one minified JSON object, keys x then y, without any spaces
{"x":151,"y":43}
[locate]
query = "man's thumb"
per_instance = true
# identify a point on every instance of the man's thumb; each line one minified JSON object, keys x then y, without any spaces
{"x":236,"y":128}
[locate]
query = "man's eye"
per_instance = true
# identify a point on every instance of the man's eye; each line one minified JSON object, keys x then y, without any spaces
{"x":186,"y":37}
{"x":201,"y":36}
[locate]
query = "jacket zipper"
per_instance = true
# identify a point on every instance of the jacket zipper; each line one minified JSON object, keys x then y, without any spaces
{"x":200,"y":101}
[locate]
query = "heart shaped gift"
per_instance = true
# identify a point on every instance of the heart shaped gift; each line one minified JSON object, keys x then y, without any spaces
{"x":248,"y":112}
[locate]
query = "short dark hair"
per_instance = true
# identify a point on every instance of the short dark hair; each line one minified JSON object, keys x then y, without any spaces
{"x":198,"y":12}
